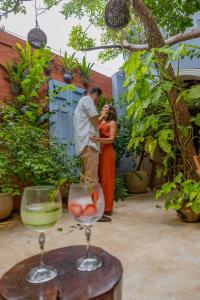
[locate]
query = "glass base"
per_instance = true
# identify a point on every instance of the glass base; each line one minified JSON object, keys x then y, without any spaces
{"x":41,"y":274}
{"x":91,"y":263}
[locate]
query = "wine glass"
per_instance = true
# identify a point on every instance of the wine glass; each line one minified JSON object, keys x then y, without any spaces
{"x":40,"y":209}
{"x":86,"y":205}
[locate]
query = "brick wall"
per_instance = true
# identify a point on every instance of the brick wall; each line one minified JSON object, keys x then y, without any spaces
{"x":8,"y":54}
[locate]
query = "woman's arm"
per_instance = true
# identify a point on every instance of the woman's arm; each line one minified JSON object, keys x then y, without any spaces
{"x":111,"y":139}
{"x":97,"y":120}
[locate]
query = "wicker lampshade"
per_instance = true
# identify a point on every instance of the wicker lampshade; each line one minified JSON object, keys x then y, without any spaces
{"x":37,"y":38}
{"x":117,"y":14}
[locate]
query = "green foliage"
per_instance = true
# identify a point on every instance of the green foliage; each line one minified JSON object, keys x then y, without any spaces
{"x":176,"y":17}
{"x":173,"y":18}
{"x":149,"y":107}
{"x":85,"y":69}
{"x":79,"y":39}
{"x":122,"y":139}
{"x":27,"y":75}
{"x":27,"y":155}
{"x":17,"y":6}
{"x":108,"y":54}
{"x":94,"y":11}
{"x":153,"y":120}
{"x":179,"y":192}
{"x":30,"y":158}
{"x":120,"y":189}
{"x":69,"y":62}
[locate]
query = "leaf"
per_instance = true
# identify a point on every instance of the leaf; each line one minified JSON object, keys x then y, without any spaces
{"x":150,"y":146}
{"x":166,"y":134}
{"x":165,"y":145}
{"x":158,"y":194}
{"x":167,"y":86}
{"x":194,"y":92}
{"x":159,"y":173}
{"x":155,"y":96}
{"x":178,"y":178}
{"x":197,"y":119}
{"x":195,"y":207}
{"x":168,"y":204}
{"x":193,"y":195}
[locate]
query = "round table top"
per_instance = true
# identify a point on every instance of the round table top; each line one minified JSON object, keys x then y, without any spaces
{"x":70,"y":284}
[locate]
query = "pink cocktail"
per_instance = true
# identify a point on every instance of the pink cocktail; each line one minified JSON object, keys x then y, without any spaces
{"x":86,"y":205}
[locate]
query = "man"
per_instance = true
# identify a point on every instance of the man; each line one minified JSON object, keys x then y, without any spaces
{"x":86,"y":125}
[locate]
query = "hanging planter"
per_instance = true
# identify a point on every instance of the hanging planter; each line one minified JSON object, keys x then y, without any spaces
{"x":117,"y":14}
{"x":85,"y":81}
{"x":67,"y":76}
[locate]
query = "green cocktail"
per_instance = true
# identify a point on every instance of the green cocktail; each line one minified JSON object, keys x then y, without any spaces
{"x":41,"y":216}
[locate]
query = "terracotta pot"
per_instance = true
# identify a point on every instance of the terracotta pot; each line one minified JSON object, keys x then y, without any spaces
{"x":6,"y":205}
{"x":187,"y":215}
{"x":136,"y":183}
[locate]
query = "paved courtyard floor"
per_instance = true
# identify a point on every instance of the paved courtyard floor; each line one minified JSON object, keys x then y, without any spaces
{"x":160,"y":254}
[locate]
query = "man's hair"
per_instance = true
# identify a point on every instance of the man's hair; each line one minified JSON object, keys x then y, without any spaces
{"x":95,"y":90}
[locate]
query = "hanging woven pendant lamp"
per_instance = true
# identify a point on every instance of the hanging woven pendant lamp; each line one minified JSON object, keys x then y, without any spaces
{"x":36,"y":37}
{"x":117,"y":14}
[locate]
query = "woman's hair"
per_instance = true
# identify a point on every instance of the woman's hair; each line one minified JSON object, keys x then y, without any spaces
{"x":112,"y":114}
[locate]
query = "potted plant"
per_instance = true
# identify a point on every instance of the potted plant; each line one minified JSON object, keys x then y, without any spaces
{"x":69,"y":64}
{"x":183,"y":196}
{"x":136,"y":179}
{"x":85,"y":69}
{"x":6,"y":186}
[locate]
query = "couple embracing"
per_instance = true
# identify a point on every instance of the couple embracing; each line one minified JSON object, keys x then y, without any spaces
{"x":94,"y":137}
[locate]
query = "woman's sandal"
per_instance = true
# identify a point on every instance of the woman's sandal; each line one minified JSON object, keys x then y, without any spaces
{"x":104,"y":219}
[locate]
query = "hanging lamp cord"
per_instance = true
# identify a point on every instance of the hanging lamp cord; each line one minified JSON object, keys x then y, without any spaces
{"x":36,"y":15}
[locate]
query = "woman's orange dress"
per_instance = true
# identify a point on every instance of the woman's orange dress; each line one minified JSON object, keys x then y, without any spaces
{"x":107,"y":167}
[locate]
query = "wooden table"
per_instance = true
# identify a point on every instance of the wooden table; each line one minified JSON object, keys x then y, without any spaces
{"x":102,"y":284}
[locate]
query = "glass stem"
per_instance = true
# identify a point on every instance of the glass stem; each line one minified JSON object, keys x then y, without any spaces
{"x":88,"y":235}
{"x":41,"y":243}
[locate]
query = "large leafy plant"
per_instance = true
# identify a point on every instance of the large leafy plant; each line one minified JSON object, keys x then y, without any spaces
{"x":149,"y":106}
{"x":27,"y":74}
{"x":181,"y":192}
{"x":85,"y":69}
{"x":148,"y":102}
{"x":27,"y":155}
{"x":69,"y":62}
{"x":31,"y":157}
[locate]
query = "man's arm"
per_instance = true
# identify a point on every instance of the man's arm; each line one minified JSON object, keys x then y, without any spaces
{"x":96,"y":120}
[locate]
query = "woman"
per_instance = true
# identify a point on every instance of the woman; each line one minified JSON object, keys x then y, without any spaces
{"x":107,"y":130}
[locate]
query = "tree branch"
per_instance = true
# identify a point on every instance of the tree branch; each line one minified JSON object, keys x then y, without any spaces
{"x":125,"y":45}
{"x":193,"y":34}
{"x":4,"y":13}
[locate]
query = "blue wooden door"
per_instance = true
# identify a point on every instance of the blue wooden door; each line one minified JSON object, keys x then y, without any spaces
{"x":63,"y":106}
